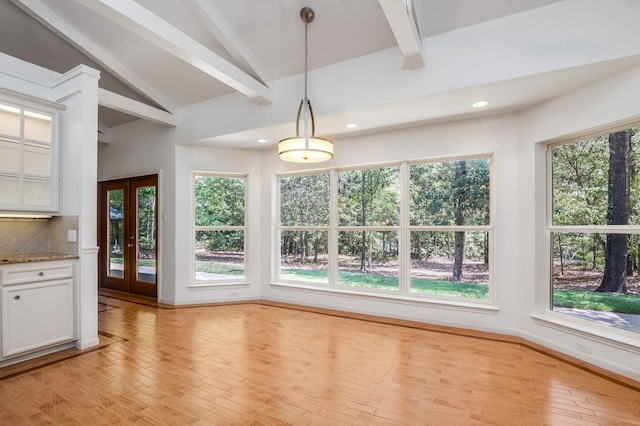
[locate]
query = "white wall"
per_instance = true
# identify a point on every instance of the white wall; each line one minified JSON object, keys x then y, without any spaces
{"x":142,"y":148}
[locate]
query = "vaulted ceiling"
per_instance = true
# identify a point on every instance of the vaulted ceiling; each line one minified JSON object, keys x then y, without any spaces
{"x":171,"y":54}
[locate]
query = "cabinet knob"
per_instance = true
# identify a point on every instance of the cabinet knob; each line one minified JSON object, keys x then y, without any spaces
{"x":41,"y":273}
{"x":17,"y":297}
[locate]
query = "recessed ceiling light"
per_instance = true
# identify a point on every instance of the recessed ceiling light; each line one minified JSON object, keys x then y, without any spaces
{"x":262,"y":141}
{"x":480,"y":104}
{"x":351,"y":126}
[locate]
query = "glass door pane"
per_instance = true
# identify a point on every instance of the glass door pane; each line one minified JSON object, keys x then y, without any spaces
{"x":115,"y":233}
{"x":146,"y":234}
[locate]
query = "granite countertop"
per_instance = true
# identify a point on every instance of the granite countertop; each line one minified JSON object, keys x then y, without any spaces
{"x":7,"y":258}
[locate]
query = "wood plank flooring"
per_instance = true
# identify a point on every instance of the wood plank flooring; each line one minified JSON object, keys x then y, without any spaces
{"x":253,"y":364}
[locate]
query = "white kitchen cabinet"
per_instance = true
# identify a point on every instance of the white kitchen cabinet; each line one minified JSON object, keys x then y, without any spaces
{"x":37,"y":306}
{"x":29,"y":146}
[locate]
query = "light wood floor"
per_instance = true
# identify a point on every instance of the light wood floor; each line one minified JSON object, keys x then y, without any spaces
{"x":254,"y":364}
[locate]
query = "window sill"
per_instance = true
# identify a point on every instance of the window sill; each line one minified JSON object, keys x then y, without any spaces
{"x":609,"y":335}
{"x":224,"y":284}
{"x":486,"y":308}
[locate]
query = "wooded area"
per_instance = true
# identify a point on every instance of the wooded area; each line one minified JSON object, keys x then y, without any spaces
{"x":595,"y":182}
{"x":441,"y":195}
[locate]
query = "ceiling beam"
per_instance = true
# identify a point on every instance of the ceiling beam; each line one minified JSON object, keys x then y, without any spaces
{"x":40,"y":12}
{"x":406,"y":32}
{"x":129,"y":106}
{"x":218,"y":26}
{"x":142,"y":22}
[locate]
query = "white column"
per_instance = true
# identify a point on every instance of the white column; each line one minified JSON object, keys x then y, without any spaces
{"x":78,"y":90}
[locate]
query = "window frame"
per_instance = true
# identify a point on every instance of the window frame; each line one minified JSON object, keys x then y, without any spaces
{"x":403,"y":230}
{"x":549,"y":316}
{"x":195,"y":228}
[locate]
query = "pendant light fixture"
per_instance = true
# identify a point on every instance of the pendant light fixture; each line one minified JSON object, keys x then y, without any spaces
{"x":305,"y":148}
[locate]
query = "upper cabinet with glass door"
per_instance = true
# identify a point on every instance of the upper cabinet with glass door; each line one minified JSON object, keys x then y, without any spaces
{"x":28,"y":157}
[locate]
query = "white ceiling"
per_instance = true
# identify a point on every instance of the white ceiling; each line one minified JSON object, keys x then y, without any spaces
{"x":173,"y":53}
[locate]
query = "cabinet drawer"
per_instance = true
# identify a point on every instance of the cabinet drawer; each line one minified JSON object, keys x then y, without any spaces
{"x":35,"y":272}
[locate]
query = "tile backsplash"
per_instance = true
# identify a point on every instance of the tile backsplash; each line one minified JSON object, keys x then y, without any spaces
{"x":59,"y":227}
{"x":19,"y":235}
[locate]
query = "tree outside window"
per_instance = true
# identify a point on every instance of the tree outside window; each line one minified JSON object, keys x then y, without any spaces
{"x":369,"y":220}
{"x":219,"y":227}
{"x":304,"y":236}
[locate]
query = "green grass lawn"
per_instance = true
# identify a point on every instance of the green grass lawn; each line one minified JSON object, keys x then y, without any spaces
{"x":220,"y":268}
{"x":353,"y":279}
{"x":593,"y":301}
{"x":608,"y":302}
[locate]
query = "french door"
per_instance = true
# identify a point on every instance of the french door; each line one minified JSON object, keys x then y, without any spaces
{"x":128,"y":231}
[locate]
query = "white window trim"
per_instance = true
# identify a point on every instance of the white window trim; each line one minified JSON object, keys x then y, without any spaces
{"x":606,"y":334}
{"x":403,"y":229}
{"x":227,"y":282}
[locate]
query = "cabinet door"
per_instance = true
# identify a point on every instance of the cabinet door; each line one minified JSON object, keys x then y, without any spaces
{"x":29,"y":156}
{"x":36,"y":315}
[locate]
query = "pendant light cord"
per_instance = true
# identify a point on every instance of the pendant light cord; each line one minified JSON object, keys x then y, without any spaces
{"x":306,"y":26}
{"x":306,"y":100}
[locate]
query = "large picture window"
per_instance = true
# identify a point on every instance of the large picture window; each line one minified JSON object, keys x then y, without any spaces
{"x":411,"y":229}
{"x":219,"y":228}
{"x":450,"y":214}
{"x":594,"y":229}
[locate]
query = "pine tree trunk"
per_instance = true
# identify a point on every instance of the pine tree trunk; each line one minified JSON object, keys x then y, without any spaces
{"x":619,"y":178}
{"x":303,"y":247}
{"x":561,"y":255}
{"x":363,"y":242}
{"x":458,"y":257}
{"x":486,"y":248}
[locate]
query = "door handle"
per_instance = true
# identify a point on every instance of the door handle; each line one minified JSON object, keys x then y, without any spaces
{"x":17,"y":297}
